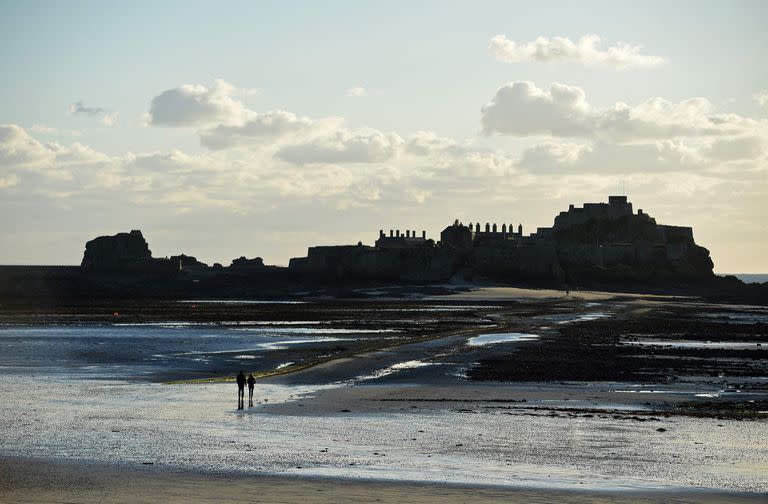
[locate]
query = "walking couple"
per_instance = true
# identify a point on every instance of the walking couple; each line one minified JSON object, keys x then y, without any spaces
{"x":241,"y":381}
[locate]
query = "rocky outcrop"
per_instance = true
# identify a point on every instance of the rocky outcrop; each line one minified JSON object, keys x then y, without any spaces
{"x":242,"y":263}
{"x":112,"y":252}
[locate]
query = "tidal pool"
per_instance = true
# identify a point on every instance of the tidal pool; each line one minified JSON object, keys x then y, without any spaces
{"x":496,"y":338}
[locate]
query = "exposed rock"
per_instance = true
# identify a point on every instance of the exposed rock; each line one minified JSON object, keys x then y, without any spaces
{"x":106,"y":252}
{"x":244,"y":263}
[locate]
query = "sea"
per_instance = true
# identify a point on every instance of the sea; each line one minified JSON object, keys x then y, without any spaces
{"x":749,"y":277}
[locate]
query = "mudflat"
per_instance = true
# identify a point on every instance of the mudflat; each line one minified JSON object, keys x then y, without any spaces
{"x":33,"y":481}
{"x":517,"y":397}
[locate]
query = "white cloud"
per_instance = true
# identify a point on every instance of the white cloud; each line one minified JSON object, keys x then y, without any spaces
{"x":357,"y":92}
{"x":761,"y":97}
{"x":522,"y":109}
{"x":19,"y":149}
{"x":78,"y":108}
{"x":107,"y":118}
{"x":196,"y":105}
{"x":425,"y":143}
{"x":560,"y":49}
{"x":265,"y":128}
{"x":344,"y":147}
{"x":606,"y":158}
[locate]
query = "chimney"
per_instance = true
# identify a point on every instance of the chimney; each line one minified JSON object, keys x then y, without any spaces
{"x":424,"y":235}
{"x":494,"y":227}
{"x":487,"y":228}
{"x":407,"y":234}
{"x":381,"y":233}
{"x":391,"y":234}
{"x":397,"y":233}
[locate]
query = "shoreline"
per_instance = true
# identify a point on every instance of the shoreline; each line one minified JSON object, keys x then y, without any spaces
{"x":28,"y":480}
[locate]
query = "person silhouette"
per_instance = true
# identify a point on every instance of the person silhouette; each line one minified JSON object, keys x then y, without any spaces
{"x":240,"y":390}
{"x":251,"y":382}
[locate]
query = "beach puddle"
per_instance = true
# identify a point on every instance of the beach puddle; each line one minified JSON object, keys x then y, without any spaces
{"x":400,"y":366}
{"x":732,"y":317}
{"x":239,"y":301}
{"x":724,"y":345}
{"x":496,"y":338}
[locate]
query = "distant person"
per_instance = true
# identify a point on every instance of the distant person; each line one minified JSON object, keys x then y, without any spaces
{"x":240,"y":390}
{"x":251,"y":383}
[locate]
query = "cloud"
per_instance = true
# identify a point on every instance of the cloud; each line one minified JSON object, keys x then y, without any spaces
{"x":425,"y":143}
{"x":761,"y":97}
{"x":344,"y":147}
{"x":109,"y":119}
{"x":265,"y":128}
{"x":560,"y":49}
{"x":80,"y":109}
{"x":606,"y":158}
{"x":522,"y":109}
{"x":19,"y":149}
{"x":357,"y":92}
{"x":196,"y":105}
{"x":721,"y":156}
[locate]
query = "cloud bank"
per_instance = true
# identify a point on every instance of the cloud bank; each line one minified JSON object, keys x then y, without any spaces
{"x":522,"y":109}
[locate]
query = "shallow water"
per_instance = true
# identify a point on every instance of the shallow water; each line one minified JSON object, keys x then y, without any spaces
{"x":728,"y":345}
{"x":496,"y":338}
{"x":166,"y":350}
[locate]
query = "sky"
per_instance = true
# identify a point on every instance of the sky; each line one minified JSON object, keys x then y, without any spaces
{"x":223,"y":129}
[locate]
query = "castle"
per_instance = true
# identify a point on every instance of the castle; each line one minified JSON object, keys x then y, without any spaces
{"x":597,"y":240}
{"x":597,"y":244}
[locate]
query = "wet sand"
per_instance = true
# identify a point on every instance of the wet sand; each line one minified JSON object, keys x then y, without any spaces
{"x":25,"y":481}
